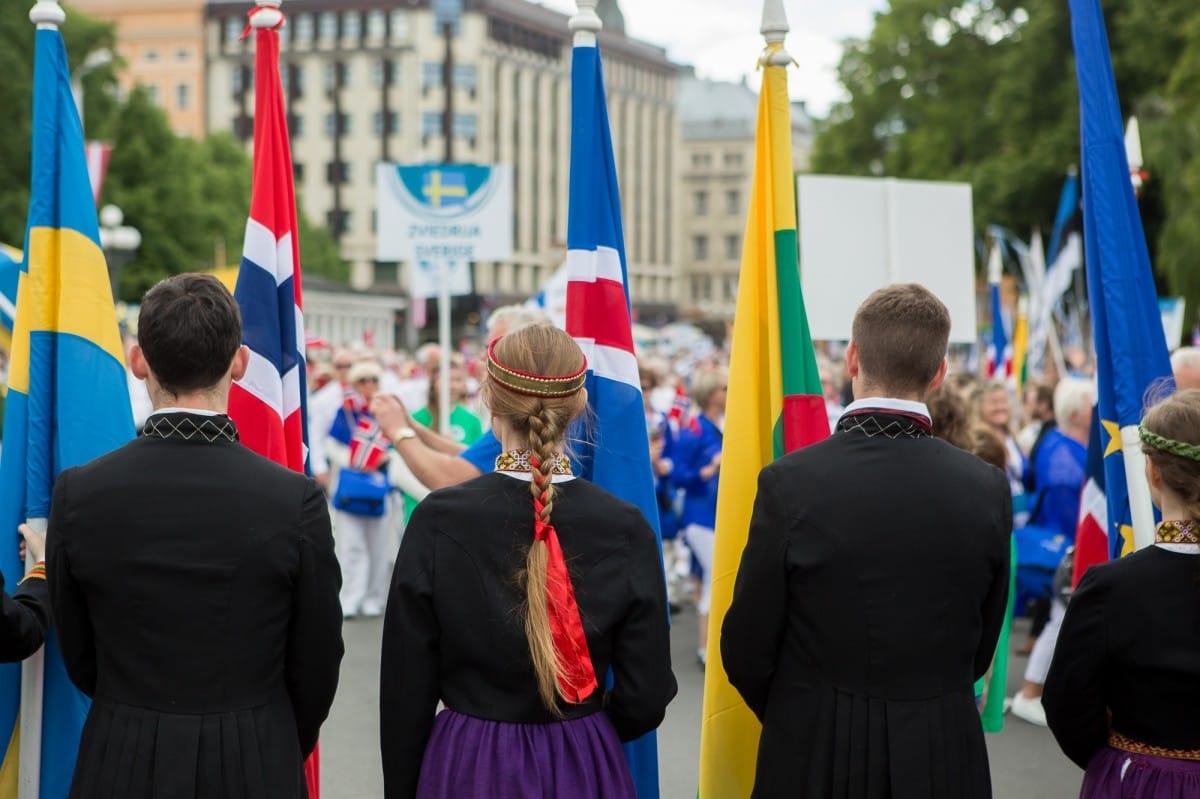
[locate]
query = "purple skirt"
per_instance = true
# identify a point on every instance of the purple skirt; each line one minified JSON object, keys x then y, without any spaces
{"x":468,"y":757}
{"x":1117,"y":774}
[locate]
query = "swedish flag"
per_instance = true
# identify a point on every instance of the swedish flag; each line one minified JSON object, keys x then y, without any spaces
{"x":1131,"y":350}
{"x":68,"y":400}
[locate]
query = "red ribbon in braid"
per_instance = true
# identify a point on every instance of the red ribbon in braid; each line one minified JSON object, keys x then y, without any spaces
{"x":578,"y":677}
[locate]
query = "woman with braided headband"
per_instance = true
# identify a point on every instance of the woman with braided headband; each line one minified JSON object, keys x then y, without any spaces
{"x":1124,"y":686}
{"x":513,"y":596}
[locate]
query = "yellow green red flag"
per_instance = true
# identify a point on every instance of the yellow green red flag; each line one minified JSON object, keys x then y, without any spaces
{"x":775,"y":406}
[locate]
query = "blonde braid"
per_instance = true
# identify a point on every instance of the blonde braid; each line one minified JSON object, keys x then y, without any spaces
{"x":546,"y":663}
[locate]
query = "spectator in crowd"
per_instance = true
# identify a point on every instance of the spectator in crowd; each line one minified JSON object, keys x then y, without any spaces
{"x":1185,"y":363}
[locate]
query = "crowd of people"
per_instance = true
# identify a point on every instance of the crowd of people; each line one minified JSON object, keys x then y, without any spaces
{"x":874,"y":597}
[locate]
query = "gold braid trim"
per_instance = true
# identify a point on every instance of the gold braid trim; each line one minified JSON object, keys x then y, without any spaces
{"x":1168,"y":445}
{"x":534,"y":385}
{"x":1118,"y":741}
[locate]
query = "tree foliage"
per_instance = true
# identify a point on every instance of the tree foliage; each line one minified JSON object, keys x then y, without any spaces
{"x":984,"y":92}
{"x":188,"y":198}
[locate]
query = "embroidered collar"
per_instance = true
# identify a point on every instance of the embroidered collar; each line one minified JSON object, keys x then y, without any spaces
{"x":517,"y":461}
{"x":1175,"y":533}
{"x":187,"y":426}
{"x":886,"y":405}
{"x":881,"y":416}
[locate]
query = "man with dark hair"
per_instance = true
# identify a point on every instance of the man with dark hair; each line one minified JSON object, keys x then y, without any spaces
{"x":873,"y":585}
{"x":194,"y":582}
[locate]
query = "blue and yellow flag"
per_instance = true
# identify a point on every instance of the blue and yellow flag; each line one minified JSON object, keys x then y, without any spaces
{"x":68,"y":399}
{"x":1131,"y":350}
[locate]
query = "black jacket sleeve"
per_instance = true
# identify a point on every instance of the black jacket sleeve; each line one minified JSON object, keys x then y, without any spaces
{"x":314,"y":646}
{"x":408,"y":680}
{"x":643,"y":683}
{"x":24,"y":620}
{"x":1074,"y":692}
{"x":995,"y":604}
{"x":76,"y":638}
{"x":754,"y":625}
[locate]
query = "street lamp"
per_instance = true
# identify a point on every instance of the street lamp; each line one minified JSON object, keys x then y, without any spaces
{"x":94,"y":60}
{"x":119,"y":242}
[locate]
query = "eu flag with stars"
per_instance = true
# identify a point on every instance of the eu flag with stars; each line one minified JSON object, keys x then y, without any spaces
{"x":68,"y":400}
{"x":1131,"y":349}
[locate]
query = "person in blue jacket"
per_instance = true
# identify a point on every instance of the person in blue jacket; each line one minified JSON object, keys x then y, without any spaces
{"x":697,"y":469}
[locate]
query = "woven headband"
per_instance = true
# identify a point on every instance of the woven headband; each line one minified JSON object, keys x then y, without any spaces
{"x":532,"y":385}
{"x":1168,"y":445}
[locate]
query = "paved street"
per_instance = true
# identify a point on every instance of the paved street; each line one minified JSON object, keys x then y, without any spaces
{"x":1026,"y":763}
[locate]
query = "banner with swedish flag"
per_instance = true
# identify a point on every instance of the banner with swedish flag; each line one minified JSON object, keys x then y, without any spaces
{"x":67,"y":397}
{"x":1131,"y":350}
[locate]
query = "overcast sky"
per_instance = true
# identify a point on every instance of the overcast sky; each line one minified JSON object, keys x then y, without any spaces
{"x":721,"y":39}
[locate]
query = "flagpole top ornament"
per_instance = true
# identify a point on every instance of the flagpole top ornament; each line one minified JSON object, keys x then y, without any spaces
{"x":266,"y":15}
{"x":47,"y":14}
{"x":775,"y":29}
{"x":586,"y":23}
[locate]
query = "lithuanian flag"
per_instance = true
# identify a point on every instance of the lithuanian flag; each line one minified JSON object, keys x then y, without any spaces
{"x":775,"y":406}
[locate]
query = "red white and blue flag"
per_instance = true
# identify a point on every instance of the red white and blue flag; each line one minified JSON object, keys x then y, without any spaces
{"x":368,"y":446}
{"x":1092,"y":541}
{"x":269,"y":404}
{"x":598,"y":317}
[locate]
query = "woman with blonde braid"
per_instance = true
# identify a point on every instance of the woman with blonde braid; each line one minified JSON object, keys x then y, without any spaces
{"x":513,"y":596}
{"x":1124,"y":684}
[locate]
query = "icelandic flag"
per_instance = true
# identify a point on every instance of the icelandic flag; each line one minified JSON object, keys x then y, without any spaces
{"x":68,"y":403}
{"x":269,"y":404}
{"x":1092,"y":544}
{"x":1131,"y":350}
{"x":598,"y":317}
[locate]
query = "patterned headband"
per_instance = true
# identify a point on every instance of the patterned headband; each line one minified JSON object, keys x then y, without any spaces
{"x":1168,"y":445}
{"x":532,"y":385}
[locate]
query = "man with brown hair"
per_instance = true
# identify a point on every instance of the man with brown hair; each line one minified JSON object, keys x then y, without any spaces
{"x":873,"y":585}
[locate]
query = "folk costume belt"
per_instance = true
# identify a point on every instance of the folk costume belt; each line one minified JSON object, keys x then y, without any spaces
{"x":1118,"y":741}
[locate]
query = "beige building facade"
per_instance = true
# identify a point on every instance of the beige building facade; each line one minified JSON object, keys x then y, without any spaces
{"x":364,"y":85}
{"x":161,"y":43}
{"x":715,"y":166}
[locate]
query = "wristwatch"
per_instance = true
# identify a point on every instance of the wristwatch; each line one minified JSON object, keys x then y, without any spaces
{"x":403,"y":433}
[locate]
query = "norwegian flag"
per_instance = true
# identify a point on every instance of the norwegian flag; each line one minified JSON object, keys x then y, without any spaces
{"x":999,"y":353}
{"x":269,"y":403}
{"x":680,"y":415}
{"x":368,"y":446}
{"x":1093,"y":543}
{"x":598,"y":317}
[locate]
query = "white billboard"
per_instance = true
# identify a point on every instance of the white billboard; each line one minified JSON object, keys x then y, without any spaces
{"x":860,"y":234}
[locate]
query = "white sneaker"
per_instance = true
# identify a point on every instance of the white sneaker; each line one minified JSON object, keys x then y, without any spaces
{"x":1029,"y":710}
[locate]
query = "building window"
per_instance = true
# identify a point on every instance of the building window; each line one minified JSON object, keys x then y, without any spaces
{"x":183,"y":54}
{"x":303,"y":32}
{"x":391,"y":128}
{"x":383,"y":73}
{"x":183,"y":96}
{"x":733,"y":202}
{"x":465,"y":76}
{"x":337,"y":75}
{"x":731,"y":286}
{"x":431,"y":74}
{"x":733,"y":246}
{"x":338,"y":222}
{"x":352,"y":26}
{"x":337,"y":124}
{"x":152,"y":92}
{"x":701,"y":160}
{"x":466,"y":126}
{"x":399,"y":25}
{"x":376,"y":24}
{"x":431,"y":124}
{"x":700,"y":248}
{"x":327,"y":27}
{"x":151,"y":55}
{"x":233,"y":29}
{"x":700,"y":203}
{"x":733,"y":159}
{"x":298,"y":172}
{"x":293,"y":80}
{"x":295,"y":125}
{"x":236,"y":80}
{"x":243,"y":126}
{"x":337,"y":172}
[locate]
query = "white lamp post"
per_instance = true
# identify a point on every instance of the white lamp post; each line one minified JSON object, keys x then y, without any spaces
{"x":94,"y":60}
{"x":119,"y":242}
